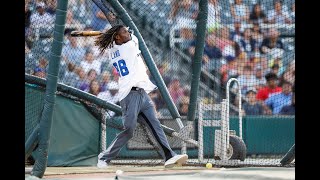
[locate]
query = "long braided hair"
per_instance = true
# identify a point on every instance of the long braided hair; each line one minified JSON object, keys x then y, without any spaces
{"x":106,"y":39}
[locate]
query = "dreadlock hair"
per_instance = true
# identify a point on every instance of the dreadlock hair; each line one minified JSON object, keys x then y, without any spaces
{"x":106,"y":39}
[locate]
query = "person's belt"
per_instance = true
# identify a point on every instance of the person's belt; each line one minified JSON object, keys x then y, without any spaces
{"x":135,"y":88}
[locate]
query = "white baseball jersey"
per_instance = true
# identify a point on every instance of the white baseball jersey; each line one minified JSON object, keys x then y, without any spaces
{"x":126,"y":59}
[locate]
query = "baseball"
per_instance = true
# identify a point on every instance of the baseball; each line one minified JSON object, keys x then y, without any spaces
{"x":208,"y":165}
{"x":119,"y":172}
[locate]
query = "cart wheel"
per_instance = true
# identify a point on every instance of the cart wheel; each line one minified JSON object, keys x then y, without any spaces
{"x":237,"y":148}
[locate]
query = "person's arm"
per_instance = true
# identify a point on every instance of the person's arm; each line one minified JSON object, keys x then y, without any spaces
{"x":100,"y":15}
{"x":283,"y":110}
{"x":268,"y":103}
{"x":266,"y":110}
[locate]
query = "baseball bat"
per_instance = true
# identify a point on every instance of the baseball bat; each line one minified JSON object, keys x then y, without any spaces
{"x":85,"y":33}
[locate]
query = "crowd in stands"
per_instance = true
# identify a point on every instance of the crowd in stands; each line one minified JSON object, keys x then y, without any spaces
{"x":252,"y":54}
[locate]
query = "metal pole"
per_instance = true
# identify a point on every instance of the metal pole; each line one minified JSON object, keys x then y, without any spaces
{"x":200,"y":133}
{"x":51,"y":87}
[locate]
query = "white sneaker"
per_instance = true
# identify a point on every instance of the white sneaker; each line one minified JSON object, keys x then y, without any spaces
{"x":102,"y":164}
{"x":177,"y":159}
{"x":100,"y":155}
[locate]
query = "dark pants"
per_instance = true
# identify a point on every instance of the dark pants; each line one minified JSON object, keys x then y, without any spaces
{"x":136,"y":107}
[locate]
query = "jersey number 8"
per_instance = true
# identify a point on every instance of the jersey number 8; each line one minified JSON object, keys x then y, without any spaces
{"x":121,"y":67}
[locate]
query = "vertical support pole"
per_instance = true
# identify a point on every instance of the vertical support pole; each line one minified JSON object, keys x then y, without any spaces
{"x":197,"y":60}
{"x":51,"y":87}
{"x":223,"y":130}
{"x":200,"y":133}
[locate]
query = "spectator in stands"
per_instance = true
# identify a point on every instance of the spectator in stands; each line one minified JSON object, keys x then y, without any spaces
{"x":260,"y":80}
{"x":192,"y":48}
{"x":236,"y":34}
{"x":41,"y":18}
{"x":72,"y":23}
{"x":252,"y":106}
{"x":247,"y":43}
{"x":100,"y":21}
{"x":214,"y":10}
{"x":229,"y":70}
{"x":222,"y":38}
{"x":90,"y":63}
{"x":279,"y":15}
{"x":175,"y":90}
{"x":157,"y":99}
{"x":263,"y":62}
{"x":27,"y":33}
{"x":40,"y":74}
{"x":293,"y":12}
{"x":79,"y":10}
{"x":277,"y":101}
{"x":81,"y":78}
{"x":240,"y":11}
{"x":257,"y":34}
{"x":246,"y":79}
{"x":289,"y":74}
{"x":72,"y":52}
{"x":276,"y":65}
{"x":184,"y":13}
{"x":257,"y":15}
{"x":289,"y":109}
{"x":94,"y":87}
{"x":183,"y":104}
{"x":111,"y":95}
{"x":70,"y":77}
{"x":52,"y":6}
{"x":233,"y":49}
{"x":242,"y":61}
{"x":91,"y":75}
{"x":26,"y":48}
{"x":270,"y":88}
{"x":27,"y":14}
{"x":275,"y":69}
{"x":272,"y":44}
{"x":211,"y":50}
{"x":41,"y":68}
{"x":105,"y":80}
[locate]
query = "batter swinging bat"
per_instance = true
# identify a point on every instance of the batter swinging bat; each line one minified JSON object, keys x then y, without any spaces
{"x":85,"y":33}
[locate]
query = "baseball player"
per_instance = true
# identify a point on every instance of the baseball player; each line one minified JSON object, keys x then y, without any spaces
{"x":134,"y":86}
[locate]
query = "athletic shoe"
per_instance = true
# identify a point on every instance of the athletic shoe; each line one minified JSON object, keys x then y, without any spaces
{"x":177,"y":159}
{"x":102,"y":164}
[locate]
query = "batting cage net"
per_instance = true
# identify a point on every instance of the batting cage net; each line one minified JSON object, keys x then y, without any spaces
{"x":245,"y":114}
